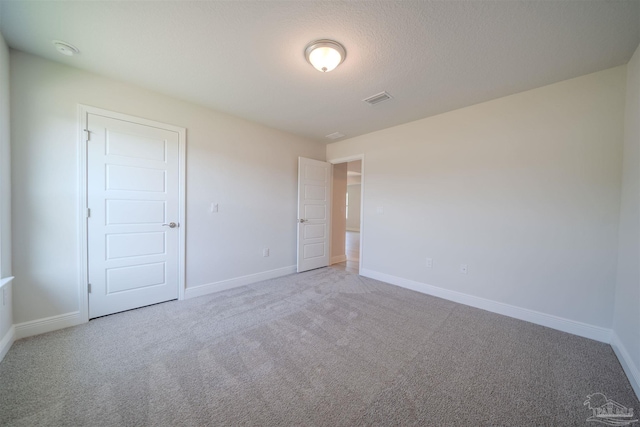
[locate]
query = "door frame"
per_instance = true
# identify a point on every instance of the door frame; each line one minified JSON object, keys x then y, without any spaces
{"x":83,"y":235}
{"x":362,"y":182}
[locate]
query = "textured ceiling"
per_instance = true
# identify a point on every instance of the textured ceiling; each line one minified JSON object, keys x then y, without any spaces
{"x":246,"y":57}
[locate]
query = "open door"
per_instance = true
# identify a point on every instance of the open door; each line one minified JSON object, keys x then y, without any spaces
{"x":314,"y":195}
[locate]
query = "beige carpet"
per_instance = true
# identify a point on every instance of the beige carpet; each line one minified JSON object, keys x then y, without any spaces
{"x":322,"y":348}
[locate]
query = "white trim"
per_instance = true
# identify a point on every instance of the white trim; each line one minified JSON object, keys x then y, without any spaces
{"x":565,"y":325}
{"x":182,"y":199}
{"x":83,"y":280}
{"x":7,"y":341}
{"x":81,"y":219}
{"x":47,"y":324}
{"x":223,"y":285}
{"x":357,"y":230}
{"x":347,"y":159}
{"x":338,"y":258}
{"x":4,"y":282}
{"x":632,"y":371}
{"x":362,"y":200}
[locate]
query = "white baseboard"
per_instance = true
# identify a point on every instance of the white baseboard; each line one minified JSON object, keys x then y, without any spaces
{"x":565,"y":325}
{"x":223,"y":285}
{"x":357,"y":230}
{"x":632,"y":371}
{"x":47,"y":324}
{"x":7,"y":341}
{"x":338,"y":258}
{"x":40,"y":326}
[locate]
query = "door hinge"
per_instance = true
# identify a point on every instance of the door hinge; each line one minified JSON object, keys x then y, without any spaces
{"x":88,"y":132}
{"x":88,"y":213}
{"x":89,"y":287}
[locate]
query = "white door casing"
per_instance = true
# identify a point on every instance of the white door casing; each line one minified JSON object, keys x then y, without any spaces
{"x":314,"y":206}
{"x":134,"y":192}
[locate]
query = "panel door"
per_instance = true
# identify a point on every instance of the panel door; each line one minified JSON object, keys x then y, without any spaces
{"x":133,"y":198}
{"x":314,"y":195}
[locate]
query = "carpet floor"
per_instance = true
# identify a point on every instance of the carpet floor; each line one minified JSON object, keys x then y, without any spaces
{"x":321,"y":348}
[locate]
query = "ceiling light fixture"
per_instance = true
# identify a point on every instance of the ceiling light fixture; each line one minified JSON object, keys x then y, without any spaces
{"x":65,"y":48}
{"x":325,"y":55}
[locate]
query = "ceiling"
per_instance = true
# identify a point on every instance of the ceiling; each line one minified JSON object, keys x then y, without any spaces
{"x":246,"y":57}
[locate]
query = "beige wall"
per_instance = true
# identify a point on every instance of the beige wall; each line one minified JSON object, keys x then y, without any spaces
{"x":5,"y":190}
{"x":248,"y":169}
{"x":626,"y":321}
{"x":353,"y":221}
{"x":524,"y":189}
{"x":338,"y":213}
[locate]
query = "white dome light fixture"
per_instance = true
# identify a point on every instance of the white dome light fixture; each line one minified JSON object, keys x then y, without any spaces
{"x":325,"y":55}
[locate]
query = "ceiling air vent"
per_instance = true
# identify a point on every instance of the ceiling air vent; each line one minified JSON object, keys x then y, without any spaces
{"x":377,"y":98}
{"x":335,"y":135}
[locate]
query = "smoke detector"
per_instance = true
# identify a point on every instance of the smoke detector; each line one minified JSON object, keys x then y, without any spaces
{"x":335,"y":135}
{"x":65,"y":48}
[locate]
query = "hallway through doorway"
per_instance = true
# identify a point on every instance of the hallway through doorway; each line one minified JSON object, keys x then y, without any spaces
{"x":352,"y":248}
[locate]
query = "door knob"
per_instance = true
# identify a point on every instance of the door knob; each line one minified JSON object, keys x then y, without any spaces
{"x":170,"y":225}
{"x":303,"y":220}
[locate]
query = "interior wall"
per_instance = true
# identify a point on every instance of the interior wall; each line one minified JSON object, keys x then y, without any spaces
{"x":5,"y":190}
{"x":626,"y":320}
{"x":353,"y":220}
{"x":338,"y":213}
{"x":524,"y":190}
{"x":249,"y":170}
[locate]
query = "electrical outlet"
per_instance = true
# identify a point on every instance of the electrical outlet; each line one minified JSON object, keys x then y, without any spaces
{"x":265,"y":252}
{"x":463,"y":268}
{"x":380,"y":210}
{"x":429,"y":263}
{"x":213,"y":208}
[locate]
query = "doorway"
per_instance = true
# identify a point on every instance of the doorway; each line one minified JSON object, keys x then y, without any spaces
{"x":346,"y":224}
